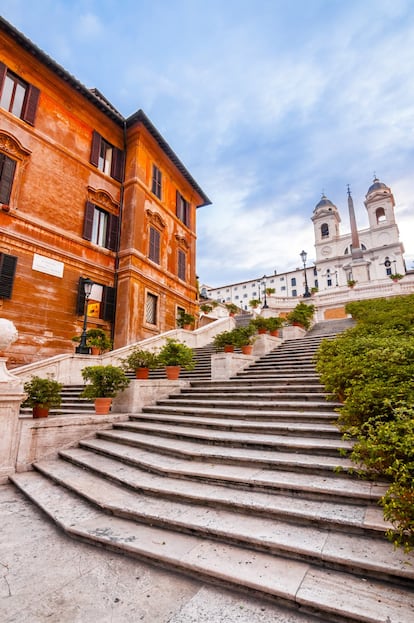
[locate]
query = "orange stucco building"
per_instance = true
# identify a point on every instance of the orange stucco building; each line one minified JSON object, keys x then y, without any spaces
{"x":86,"y":193}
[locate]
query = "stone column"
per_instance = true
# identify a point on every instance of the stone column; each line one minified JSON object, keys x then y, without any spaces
{"x":11,"y":396}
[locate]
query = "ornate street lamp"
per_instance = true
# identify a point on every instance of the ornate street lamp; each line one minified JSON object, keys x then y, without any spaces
{"x":82,"y":349}
{"x":265,"y":305}
{"x":304,"y":255}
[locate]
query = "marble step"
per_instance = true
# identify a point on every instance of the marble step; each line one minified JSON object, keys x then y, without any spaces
{"x":254,"y":395}
{"x":293,"y":471}
{"x":362,"y":554}
{"x":288,"y":442}
{"x":311,"y":429}
{"x":254,"y":404}
{"x":252,"y":414}
{"x":307,"y":586}
{"x":232,"y":387}
{"x":356,"y":518}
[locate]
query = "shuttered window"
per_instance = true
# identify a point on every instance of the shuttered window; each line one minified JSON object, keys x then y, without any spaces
{"x":182,"y":209}
{"x":7,"y":169}
{"x":7,"y":271}
{"x":17,"y":96}
{"x":156,"y":186}
{"x":107,"y":307}
{"x":154,"y":245}
{"x":151,"y":308}
{"x":182,"y":265}
{"x":106,"y":157}
{"x":100,"y":227}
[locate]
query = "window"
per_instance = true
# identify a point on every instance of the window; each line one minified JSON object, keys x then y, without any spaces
{"x":244,"y":287}
{"x":182,"y":209}
{"x":293,"y":281}
{"x":387,"y":264}
{"x":329,"y":281}
{"x":7,"y":169}
{"x":100,"y":227}
{"x":156,"y":186}
{"x":294,"y":293}
{"x":18,"y":97}
{"x":154,"y":245}
{"x":101,"y":303}
{"x":182,"y":265}
{"x":106,"y":157}
{"x":380,"y":214}
{"x":283,"y":288}
{"x":7,"y":271}
{"x":151,"y":308}
{"x":324,"y":230}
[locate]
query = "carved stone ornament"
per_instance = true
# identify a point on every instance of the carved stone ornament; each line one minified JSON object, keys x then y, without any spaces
{"x":12,"y":147}
{"x":155,"y":219}
{"x":103,"y":199}
{"x":182,"y":242}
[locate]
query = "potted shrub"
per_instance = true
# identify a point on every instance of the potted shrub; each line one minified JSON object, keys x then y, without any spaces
{"x":254,"y":303}
{"x":351,"y":282}
{"x":97,"y":340}
{"x":396,"y":277}
{"x":244,"y":338}
{"x":301,"y":316}
{"x":274,"y":323}
{"x":102,"y":384}
{"x":42,"y":394}
{"x":260,"y":324}
{"x":231,"y":308}
{"x":175,"y":355}
{"x":206,"y":308}
{"x":140,"y":361}
{"x":226,"y":340}
{"x":184,"y":320}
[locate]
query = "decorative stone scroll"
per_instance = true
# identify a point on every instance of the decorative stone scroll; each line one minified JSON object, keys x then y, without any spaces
{"x":155,"y":219}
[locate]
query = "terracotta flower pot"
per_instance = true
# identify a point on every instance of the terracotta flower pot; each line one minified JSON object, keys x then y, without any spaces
{"x":172,"y":372}
{"x":102,"y":406}
{"x":229,"y":348}
{"x":142,"y":373}
{"x":247,"y":349}
{"x":95,"y":350}
{"x":274,"y":333}
{"x":39,"y":411}
{"x":261,"y":331}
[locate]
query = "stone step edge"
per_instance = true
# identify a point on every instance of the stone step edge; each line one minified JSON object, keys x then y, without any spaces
{"x":307,"y":588}
{"x":310,"y":428}
{"x":251,"y":413}
{"x":295,"y":551}
{"x":281,"y":444}
{"x":248,"y":507}
{"x":307,"y":492}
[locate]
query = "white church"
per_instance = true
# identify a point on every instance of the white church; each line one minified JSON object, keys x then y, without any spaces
{"x":364,"y":259}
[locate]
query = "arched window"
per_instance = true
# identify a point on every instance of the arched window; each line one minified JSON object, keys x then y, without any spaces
{"x":380,"y":215}
{"x":324,"y":230}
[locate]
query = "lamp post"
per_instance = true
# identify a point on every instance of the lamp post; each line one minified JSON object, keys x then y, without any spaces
{"x":304,"y":255}
{"x":265,"y":305}
{"x":82,"y":349}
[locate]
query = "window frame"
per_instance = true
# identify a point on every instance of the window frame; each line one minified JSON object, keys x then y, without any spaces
{"x":182,"y":209}
{"x":7,"y":175}
{"x":182,"y":265}
{"x":112,"y":226}
{"x":117,"y":164}
{"x":154,"y":299}
{"x":28,"y":109}
{"x":154,"y":245}
{"x":156,"y":183}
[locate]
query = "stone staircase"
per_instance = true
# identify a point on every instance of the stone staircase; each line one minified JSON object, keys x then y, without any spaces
{"x":239,"y":483}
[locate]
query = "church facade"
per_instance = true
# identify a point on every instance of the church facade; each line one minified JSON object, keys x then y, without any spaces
{"x":363,"y":256}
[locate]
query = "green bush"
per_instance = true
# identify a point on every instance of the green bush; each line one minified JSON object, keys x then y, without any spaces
{"x":370,"y":369}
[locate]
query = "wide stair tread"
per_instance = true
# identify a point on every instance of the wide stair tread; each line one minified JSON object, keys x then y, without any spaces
{"x":306,"y":585}
{"x":233,"y":438}
{"x":280,"y":414}
{"x":312,"y":474}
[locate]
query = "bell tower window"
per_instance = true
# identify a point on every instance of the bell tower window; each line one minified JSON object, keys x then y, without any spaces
{"x":380,"y":215}
{"x":325,"y":230}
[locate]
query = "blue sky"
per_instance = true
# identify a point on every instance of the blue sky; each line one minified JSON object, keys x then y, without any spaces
{"x":267,"y":103}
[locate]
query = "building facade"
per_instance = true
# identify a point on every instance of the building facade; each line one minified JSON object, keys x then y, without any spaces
{"x":378,"y":248}
{"x":86,"y":193}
